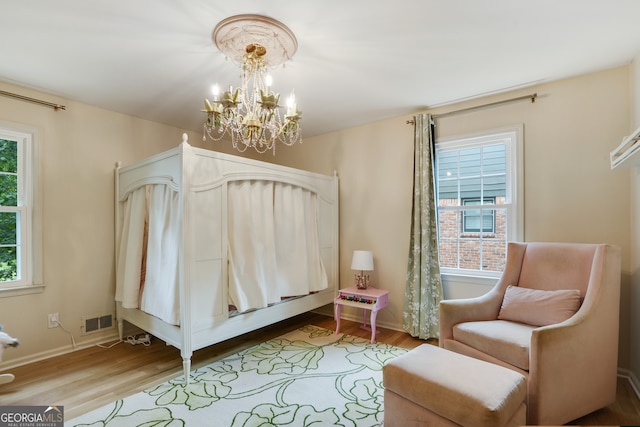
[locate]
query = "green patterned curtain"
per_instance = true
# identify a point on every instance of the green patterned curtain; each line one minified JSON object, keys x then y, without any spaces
{"x":423,"y":290}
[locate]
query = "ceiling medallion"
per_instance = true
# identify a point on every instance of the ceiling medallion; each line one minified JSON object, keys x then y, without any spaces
{"x":250,"y":114}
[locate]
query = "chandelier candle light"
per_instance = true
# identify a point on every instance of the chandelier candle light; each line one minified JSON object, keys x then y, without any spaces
{"x":363,"y":261}
{"x":250,"y":114}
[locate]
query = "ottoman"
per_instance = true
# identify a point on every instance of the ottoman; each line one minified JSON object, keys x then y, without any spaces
{"x":431,"y":386}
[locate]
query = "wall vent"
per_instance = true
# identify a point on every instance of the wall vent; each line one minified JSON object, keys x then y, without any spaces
{"x":95,"y":324}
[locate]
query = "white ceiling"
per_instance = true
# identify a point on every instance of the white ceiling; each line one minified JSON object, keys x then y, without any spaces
{"x":358,"y":61}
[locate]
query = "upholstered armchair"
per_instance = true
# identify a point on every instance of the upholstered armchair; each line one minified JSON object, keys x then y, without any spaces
{"x":534,"y":321}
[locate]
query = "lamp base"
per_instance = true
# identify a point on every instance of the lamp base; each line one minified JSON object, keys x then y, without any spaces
{"x":362,"y":280}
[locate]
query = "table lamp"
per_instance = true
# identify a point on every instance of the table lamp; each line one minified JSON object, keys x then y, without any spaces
{"x":363,"y":261}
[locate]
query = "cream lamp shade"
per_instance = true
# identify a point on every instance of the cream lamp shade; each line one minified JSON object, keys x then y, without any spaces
{"x":362,"y":260}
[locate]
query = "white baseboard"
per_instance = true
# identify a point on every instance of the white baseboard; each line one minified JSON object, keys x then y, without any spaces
{"x":9,"y":364}
{"x":633,"y":380}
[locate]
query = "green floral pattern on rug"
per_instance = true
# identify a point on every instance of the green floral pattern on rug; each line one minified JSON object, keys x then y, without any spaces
{"x":309,"y":377}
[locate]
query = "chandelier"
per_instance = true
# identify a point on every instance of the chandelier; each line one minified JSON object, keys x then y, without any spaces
{"x":250,"y":114}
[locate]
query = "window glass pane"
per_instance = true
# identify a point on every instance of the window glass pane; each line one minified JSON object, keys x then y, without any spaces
{"x":8,"y":190}
{"x":8,"y":227}
{"x":472,"y":218}
{"x":8,"y":264}
{"x":447,"y":164}
{"x":500,"y":230}
{"x":471,"y":221}
{"x":448,"y":224}
{"x":448,"y":253}
{"x":470,"y":162}
{"x":487,"y":220}
{"x":493,"y":254}
{"x":494,"y":186}
{"x":8,"y":156}
{"x":493,"y":159}
{"x":447,"y":174}
{"x":470,"y":255}
{"x":470,"y":188}
{"x":448,"y":202}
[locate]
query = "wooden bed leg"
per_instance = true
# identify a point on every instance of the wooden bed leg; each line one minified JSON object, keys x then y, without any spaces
{"x":186,"y":367}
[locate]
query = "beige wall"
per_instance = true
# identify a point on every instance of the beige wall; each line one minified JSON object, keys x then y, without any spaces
{"x":375,"y":166}
{"x":570,"y":192}
{"x":79,"y":148}
{"x":634,"y":297}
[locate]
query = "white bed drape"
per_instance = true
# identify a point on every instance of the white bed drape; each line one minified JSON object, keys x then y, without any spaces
{"x":151,"y":285}
{"x":252,"y":255}
{"x":273,"y":243}
{"x":274,"y":249}
{"x":130,"y":251}
{"x":300,"y":267}
{"x":161,"y":294}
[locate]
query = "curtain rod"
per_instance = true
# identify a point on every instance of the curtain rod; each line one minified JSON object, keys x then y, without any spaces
{"x":56,"y":107}
{"x":532,"y":97}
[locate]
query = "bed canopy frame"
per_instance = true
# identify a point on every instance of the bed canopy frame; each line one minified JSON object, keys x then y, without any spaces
{"x":200,"y":180}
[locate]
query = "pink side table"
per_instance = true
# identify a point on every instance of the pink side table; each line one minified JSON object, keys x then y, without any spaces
{"x":372,"y":299}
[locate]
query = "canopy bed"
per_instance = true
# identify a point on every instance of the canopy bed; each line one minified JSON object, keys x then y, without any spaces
{"x":210,"y":246}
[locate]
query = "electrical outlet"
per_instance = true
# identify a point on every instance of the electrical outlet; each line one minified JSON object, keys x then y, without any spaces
{"x":53,"y":320}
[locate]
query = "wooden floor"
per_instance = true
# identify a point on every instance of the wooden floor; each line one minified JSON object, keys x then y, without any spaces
{"x":89,"y":378}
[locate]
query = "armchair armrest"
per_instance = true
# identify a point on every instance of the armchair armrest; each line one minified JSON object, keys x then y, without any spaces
{"x":485,"y":307}
{"x":452,"y":312}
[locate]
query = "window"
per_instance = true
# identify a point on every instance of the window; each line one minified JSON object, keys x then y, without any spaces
{"x":478,"y":181}
{"x":471,"y":219}
{"x":19,"y":226}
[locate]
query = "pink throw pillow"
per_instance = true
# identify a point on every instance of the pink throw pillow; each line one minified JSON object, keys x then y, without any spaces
{"x":539,"y":308}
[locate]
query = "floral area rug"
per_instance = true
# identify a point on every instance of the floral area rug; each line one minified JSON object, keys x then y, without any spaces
{"x":308,"y":377}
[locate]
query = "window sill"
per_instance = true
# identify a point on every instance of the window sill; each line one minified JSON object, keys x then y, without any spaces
{"x":479,"y":279}
{"x":456,"y":285}
{"x":20,"y":290}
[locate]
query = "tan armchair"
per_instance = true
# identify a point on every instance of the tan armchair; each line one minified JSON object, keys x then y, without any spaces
{"x":570,"y":366}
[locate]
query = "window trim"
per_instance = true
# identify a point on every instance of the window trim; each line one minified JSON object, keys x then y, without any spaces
{"x":32,"y":282}
{"x":514,"y":189}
